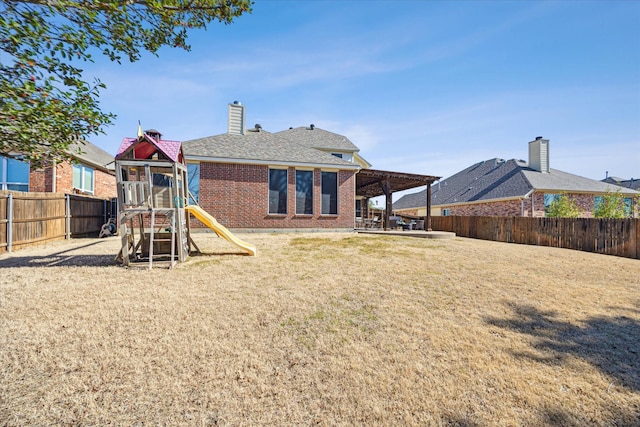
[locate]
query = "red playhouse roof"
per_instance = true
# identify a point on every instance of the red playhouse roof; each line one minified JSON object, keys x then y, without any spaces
{"x":146,"y":146}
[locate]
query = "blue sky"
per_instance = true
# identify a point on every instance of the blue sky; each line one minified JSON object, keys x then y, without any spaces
{"x":424,"y":87}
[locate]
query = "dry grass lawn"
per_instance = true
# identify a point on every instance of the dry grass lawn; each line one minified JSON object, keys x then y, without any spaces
{"x":321,"y":329}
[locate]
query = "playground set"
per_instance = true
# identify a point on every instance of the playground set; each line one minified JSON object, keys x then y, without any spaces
{"x":154,"y":199}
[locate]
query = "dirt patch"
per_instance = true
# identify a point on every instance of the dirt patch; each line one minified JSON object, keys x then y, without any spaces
{"x":322,"y":328}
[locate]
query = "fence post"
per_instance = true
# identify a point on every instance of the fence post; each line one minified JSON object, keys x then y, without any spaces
{"x":68,"y":216}
{"x":9,"y":221}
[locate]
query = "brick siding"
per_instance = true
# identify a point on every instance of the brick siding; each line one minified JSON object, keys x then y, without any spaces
{"x":503,"y":208}
{"x":41,"y":180}
{"x":514,"y":207}
{"x":238,"y":197}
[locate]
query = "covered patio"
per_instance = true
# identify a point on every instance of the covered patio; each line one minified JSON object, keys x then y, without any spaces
{"x":373,"y":183}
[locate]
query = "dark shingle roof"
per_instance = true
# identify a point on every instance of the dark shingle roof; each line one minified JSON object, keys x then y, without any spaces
{"x":260,"y":146}
{"x":318,"y":138}
{"x":633,"y":184}
{"x":499,"y":179}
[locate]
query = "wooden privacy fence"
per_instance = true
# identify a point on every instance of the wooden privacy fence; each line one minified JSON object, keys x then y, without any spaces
{"x":28,"y":219}
{"x":620,"y":237}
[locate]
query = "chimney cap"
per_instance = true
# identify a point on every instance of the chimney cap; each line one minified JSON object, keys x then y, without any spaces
{"x":154,"y":133}
{"x":538,"y":138}
{"x":237,"y":103}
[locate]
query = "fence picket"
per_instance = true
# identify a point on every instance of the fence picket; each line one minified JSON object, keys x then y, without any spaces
{"x":619,"y":237}
{"x":35,"y":218}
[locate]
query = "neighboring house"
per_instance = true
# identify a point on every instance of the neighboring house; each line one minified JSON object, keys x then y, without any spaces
{"x":301,"y":178}
{"x":14,"y":173}
{"x":633,"y":184}
{"x":498,"y":187}
{"x":92,"y":173}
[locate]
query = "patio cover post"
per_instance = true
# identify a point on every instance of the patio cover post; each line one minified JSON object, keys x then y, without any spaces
{"x":389,"y":200}
{"x":428,"y":227}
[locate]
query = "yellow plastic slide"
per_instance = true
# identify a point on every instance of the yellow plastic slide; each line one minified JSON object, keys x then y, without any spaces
{"x":220,"y":230}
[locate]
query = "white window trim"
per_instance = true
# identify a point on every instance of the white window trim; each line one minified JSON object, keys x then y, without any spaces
{"x":83,"y":168}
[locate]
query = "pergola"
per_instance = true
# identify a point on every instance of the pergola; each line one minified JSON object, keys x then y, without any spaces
{"x":373,"y":183}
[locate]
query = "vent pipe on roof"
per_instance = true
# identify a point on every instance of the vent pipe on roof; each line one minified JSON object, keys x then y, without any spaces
{"x":312,"y":126}
{"x":539,"y":155}
{"x":237,"y":119}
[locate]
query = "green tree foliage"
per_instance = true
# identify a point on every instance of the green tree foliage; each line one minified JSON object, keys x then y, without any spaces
{"x":45,"y":102}
{"x":611,"y":205}
{"x":563,"y":207}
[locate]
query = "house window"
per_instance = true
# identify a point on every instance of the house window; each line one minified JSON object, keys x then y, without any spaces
{"x":193,"y":172}
{"x":83,"y":178}
{"x":14,"y":174}
{"x":304,"y":192}
{"x":627,"y":203}
{"x":446,"y":212}
{"x":548,"y":199}
{"x":339,"y":155}
{"x":628,"y":207}
{"x":329,"y":193}
{"x":277,"y":191}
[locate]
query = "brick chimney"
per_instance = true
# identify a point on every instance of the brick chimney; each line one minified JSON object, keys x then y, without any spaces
{"x":237,"y":119}
{"x":539,"y":155}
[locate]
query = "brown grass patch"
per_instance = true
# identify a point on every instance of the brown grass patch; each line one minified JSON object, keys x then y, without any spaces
{"x":328,"y":329}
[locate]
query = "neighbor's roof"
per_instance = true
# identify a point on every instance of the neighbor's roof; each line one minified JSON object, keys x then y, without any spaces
{"x":634,"y":184}
{"x":260,"y":147}
{"x":91,"y":155}
{"x":499,"y":179}
{"x":314,"y":137}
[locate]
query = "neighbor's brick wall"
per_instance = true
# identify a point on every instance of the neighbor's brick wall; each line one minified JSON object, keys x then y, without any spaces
{"x":41,"y":180}
{"x":506,"y":208}
{"x":514,"y":207}
{"x":105,"y":184}
{"x":238,"y":197}
{"x":410,"y":212}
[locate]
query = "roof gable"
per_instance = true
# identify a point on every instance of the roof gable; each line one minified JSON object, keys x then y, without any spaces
{"x":146,"y":147}
{"x":320,"y":139}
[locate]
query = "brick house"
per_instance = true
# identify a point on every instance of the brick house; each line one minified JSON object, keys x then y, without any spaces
{"x":498,"y":187}
{"x":92,"y":173}
{"x":301,"y":178}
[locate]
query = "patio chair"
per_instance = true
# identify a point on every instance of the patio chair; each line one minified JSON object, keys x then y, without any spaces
{"x":394,"y":221}
{"x":409,"y":225}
